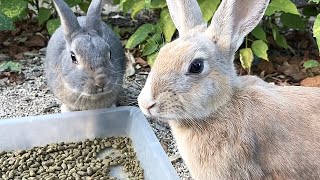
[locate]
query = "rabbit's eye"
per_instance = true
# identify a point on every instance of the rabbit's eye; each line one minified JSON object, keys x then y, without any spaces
{"x":196,"y":67}
{"x":74,"y":59}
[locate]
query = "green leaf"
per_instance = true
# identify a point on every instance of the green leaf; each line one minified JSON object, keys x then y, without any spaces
{"x":156,"y":4}
{"x":281,"y":41}
{"x":44,"y":15}
{"x":281,"y":6}
{"x":310,"y":11}
{"x":279,"y":38}
{"x":137,"y":7}
{"x":260,"y":49}
{"x":5,"y":23}
{"x":208,"y":7}
{"x":315,"y":1}
{"x":275,"y":31}
{"x":139,"y":36}
{"x":152,"y":58}
{"x":311,"y":64}
{"x":11,"y":66}
{"x":13,"y":9}
{"x":293,"y":21}
{"x":152,"y":45}
{"x":166,"y":25}
{"x":316,"y":30}
{"x":157,"y":29}
{"x":72,"y":3}
{"x":246,"y":58}
{"x":150,"y":48}
{"x":52,"y":25}
{"x":126,"y":5}
{"x":84,"y":6}
{"x":147,"y":3}
{"x":259,"y":33}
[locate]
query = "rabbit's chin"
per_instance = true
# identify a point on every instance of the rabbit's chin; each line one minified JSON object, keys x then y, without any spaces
{"x":154,"y":114}
{"x":86,"y":101}
{"x":98,"y":94}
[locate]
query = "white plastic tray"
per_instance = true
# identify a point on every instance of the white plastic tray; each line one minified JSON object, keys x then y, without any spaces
{"x":27,"y":132}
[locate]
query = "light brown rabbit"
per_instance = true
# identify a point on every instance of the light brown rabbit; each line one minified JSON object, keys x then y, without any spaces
{"x":226,"y":126}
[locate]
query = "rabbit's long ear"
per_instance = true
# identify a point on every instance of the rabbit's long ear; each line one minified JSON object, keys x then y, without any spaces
{"x":186,"y":14}
{"x":233,"y":20}
{"x":93,"y":19}
{"x":68,"y":20}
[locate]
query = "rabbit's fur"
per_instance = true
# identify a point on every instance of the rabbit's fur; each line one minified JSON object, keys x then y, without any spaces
{"x":227,"y":126}
{"x":95,"y":79}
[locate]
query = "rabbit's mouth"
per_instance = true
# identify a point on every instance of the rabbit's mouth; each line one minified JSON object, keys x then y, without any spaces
{"x":88,"y":101}
{"x":97,"y":90}
{"x":154,"y":110}
{"x":98,"y":93}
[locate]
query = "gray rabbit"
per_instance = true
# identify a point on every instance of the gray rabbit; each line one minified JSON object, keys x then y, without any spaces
{"x":85,"y":60}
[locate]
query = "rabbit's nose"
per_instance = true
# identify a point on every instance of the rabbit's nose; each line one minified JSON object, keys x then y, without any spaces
{"x":146,"y":101}
{"x":146,"y":106}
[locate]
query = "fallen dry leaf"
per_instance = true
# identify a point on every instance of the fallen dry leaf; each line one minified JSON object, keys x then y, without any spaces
{"x":17,"y":78}
{"x":311,"y":81}
{"x":35,"y":41}
{"x":164,"y":145}
{"x":3,"y":37}
{"x":295,"y":60}
{"x":141,"y":61}
{"x":175,"y":157}
{"x":13,"y":77}
{"x":267,"y":67}
{"x":130,"y":71}
{"x":16,"y":51}
{"x":304,"y":44}
{"x":279,"y":59}
{"x":292,"y":71}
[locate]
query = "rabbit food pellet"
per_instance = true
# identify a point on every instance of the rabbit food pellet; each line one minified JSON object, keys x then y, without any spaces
{"x":74,"y":161}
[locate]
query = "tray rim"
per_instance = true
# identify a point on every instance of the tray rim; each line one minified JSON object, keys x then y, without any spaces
{"x":132,"y":110}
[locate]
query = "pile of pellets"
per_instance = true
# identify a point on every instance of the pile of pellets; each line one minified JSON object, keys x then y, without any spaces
{"x":74,"y":161}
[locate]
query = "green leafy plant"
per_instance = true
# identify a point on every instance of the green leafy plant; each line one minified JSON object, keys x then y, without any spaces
{"x":283,"y":11}
{"x":311,"y":64}
{"x":280,"y":15}
{"x":10,"y":11}
{"x":10,"y":66}
{"x":151,"y":37}
{"x":14,"y":10}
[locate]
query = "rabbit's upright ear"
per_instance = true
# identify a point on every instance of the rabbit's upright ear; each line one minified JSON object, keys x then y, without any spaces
{"x":233,"y":20}
{"x":186,"y":15}
{"x":93,"y":18}
{"x":68,"y":20}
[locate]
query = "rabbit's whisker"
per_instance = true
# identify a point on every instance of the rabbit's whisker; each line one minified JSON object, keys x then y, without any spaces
{"x":119,"y":58}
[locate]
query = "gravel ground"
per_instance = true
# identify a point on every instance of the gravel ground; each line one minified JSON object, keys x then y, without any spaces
{"x":32,"y":97}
